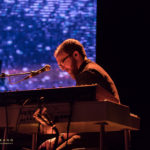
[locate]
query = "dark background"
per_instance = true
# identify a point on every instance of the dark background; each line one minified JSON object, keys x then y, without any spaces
{"x":122,"y":43}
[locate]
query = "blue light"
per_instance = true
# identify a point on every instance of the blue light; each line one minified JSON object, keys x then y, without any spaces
{"x":32,"y":29}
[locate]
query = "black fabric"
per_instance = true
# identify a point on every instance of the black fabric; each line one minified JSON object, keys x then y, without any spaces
{"x":91,"y":73}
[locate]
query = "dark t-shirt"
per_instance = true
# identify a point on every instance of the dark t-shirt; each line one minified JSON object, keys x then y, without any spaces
{"x":92,"y":73}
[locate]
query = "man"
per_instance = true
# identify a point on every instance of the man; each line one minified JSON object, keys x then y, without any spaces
{"x":71,"y":57}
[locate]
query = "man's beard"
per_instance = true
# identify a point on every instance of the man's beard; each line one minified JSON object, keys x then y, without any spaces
{"x":75,"y":70}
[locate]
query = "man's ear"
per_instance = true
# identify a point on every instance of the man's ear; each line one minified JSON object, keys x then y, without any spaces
{"x":76,"y":54}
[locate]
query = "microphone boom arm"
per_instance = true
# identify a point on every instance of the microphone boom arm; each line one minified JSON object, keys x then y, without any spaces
{"x":3,"y":75}
{"x":32,"y":73}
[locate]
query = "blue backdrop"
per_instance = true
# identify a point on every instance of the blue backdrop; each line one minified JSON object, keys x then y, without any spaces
{"x":31,"y":30}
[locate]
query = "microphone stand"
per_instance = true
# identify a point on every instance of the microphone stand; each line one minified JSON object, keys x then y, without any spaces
{"x":4,"y":75}
{"x":32,"y":73}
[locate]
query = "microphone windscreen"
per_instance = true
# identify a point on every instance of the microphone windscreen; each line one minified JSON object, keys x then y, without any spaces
{"x":47,"y":67}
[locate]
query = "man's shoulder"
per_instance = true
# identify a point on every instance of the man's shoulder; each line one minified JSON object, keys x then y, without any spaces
{"x":94,"y":67}
{"x":91,"y":73}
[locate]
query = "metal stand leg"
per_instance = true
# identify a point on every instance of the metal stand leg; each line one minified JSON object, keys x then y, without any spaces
{"x":34,"y":141}
{"x":127,"y":139}
{"x":102,"y":133}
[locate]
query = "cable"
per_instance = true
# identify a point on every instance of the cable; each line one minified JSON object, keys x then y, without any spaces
{"x":69,"y":120}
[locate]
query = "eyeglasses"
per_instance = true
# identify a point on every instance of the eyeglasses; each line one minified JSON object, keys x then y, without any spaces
{"x":63,"y":61}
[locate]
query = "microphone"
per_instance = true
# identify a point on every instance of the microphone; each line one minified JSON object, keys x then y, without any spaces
{"x":34,"y":73}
